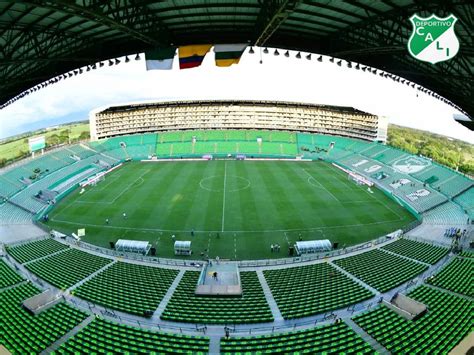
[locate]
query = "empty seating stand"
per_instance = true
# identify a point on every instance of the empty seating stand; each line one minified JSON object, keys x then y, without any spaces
{"x":101,"y":336}
{"x":381,"y":270}
{"x":23,"y":333}
{"x":185,"y":306}
{"x":445,"y":180}
{"x":466,"y":200}
{"x":424,"y":252}
{"x":35,"y":249}
{"x":25,"y":197}
{"x":222,"y":142}
{"x":467,"y":254}
{"x":390,"y":156}
{"x":65,"y":269}
{"x":312,"y":289}
{"x":8,"y":276}
{"x":333,"y":338}
{"x":11,"y":214}
{"x":375,"y":150}
{"x":448,"y":213}
{"x":448,"y":320}
{"x":81,"y":151}
{"x":9,"y":187}
{"x":128,"y":287}
{"x":457,"y":276}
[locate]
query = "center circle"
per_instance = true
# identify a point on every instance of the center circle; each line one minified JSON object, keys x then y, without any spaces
{"x":232,"y":183}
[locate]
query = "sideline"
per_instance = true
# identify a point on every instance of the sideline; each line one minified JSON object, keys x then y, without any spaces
{"x":223,"y":198}
{"x":228,"y":231}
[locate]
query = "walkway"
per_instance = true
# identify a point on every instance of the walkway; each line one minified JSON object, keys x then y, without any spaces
{"x":405,"y":257}
{"x":460,"y":295}
{"x":90,"y":276}
{"x":167,"y":296}
{"x":46,"y":256}
{"x":12,"y":286}
{"x":371,"y":341}
{"x":54,"y":346}
{"x":278,"y":318}
{"x":355,"y":279}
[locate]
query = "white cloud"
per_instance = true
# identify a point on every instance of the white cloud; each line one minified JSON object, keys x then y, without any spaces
{"x":278,"y":78}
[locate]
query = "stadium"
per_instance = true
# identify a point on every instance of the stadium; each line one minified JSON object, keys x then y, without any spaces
{"x":231,"y":226}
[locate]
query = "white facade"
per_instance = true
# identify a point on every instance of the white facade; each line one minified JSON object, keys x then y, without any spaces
{"x":382,"y":129}
{"x":181,"y":115}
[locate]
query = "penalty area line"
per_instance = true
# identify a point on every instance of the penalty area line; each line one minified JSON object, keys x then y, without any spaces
{"x":401,"y":218}
{"x":129,"y":186}
{"x":329,"y":192}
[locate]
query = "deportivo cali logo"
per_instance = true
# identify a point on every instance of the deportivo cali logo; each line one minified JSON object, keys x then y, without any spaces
{"x":433,"y":39}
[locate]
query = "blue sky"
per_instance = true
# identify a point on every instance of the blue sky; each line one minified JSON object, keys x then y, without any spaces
{"x":278,"y":78}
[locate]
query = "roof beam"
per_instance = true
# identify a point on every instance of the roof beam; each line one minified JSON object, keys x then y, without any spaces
{"x":272,"y":15}
{"x":7,"y":8}
{"x":16,"y":21}
{"x":92,"y":14}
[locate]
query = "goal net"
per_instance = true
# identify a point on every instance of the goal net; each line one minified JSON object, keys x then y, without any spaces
{"x":359,"y":179}
{"x":97,"y":179}
{"x":93,"y":180}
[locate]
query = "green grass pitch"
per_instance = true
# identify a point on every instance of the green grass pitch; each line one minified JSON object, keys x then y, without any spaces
{"x":237,"y":209}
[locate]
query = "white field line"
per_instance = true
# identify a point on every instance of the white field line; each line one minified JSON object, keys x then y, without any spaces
{"x":329,"y":192}
{"x":236,"y":231}
{"x":109,"y":181}
{"x":320,"y":187}
{"x":102,"y":187}
{"x":235,"y":247}
{"x":130,"y":185}
{"x":355,"y":201}
{"x":223,"y":198}
{"x":368,"y":193}
{"x":140,"y":178}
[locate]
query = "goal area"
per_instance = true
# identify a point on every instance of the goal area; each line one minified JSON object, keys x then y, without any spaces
{"x":93,"y":180}
{"x":359,"y":179}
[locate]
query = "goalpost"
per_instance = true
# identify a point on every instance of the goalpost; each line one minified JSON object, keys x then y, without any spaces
{"x":360,"y":180}
{"x":97,"y":179}
{"x":357,"y":178}
{"x":93,"y":180}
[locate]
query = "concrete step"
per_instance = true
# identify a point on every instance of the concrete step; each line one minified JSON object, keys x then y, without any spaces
{"x":167,"y":296}
{"x":269,"y":296}
{"x":371,"y":341}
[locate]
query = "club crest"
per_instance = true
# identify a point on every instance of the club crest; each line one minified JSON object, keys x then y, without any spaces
{"x":433,"y":39}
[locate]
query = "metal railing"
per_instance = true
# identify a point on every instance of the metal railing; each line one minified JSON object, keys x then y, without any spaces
{"x":241,"y":263}
{"x":243,"y":329}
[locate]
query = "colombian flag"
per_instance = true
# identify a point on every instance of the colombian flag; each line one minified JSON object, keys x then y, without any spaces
{"x":193,"y":55}
{"x":228,"y":54}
